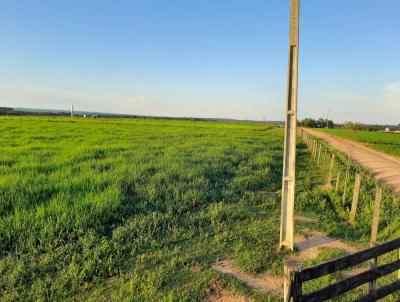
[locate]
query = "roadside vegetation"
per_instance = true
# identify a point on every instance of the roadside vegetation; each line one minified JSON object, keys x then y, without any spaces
{"x":139,"y":210}
{"x":331,"y":212}
{"x":385,"y":142}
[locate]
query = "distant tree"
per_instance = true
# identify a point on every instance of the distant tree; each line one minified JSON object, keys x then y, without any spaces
{"x":361,"y":126}
{"x":319,"y":123}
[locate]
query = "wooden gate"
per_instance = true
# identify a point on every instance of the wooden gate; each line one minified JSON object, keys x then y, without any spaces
{"x":296,"y":276}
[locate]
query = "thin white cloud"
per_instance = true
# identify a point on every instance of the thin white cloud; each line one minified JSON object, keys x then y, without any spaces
{"x":130,"y":104}
{"x":392,"y":95}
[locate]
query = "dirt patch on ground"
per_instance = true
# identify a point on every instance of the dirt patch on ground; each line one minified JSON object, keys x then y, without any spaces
{"x":301,"y":218}
{"x":384,"y":168}
{"x":218,"y":293}
{"x":265,"y":282}
{"x":308,"y":248}
{"x":308,"y":245}
{"x":225,"y":296}
{"x":325,"y":186}
{"x":309,"y":241}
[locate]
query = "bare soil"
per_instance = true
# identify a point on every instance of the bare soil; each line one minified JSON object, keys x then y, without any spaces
{"x":265,"y":282}
{"x":307,"y":244}
{"x":308,"y":248}
{"x":225,"y":296}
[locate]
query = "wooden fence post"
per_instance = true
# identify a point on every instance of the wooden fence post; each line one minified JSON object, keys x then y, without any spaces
{"x":292,"y":288}
{"x":346,"y":180}
{"x":337,"y":181}
{"x":375,"y":217}
{"x":287,"y":283}
{"x":319,"y":153}
{"x":373,"y":264}
{"x":315,"y":148}
{"x":374,"y":232}
{"x":331,"y":168}
{"x":356,"y":194}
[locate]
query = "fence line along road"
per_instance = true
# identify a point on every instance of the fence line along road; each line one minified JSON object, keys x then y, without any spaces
{"x":384,"y":168}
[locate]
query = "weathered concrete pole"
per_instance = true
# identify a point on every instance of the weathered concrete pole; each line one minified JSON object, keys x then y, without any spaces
{"x":289,"y":160}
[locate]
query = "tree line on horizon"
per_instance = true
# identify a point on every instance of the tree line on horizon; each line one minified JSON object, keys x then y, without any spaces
{"x":326,"y":123}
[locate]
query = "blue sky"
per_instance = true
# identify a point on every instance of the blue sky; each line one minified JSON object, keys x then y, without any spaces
{"x":201,"y":58}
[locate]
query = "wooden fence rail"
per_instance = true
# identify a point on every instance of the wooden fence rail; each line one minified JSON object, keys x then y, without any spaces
{"x":296,"y":276}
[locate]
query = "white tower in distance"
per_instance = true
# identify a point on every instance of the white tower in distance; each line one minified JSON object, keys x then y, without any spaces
{"x":72,"y":110}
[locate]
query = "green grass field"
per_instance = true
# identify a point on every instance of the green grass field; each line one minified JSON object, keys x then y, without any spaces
{"x":139,"y":210}
{"x":380,"y":141}
{"x":100,"y":209}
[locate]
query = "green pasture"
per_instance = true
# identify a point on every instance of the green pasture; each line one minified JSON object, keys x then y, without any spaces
{"x":140,"y":209}
{"x":380,"y":141}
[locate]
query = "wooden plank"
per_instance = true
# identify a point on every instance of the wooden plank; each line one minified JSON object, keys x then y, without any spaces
{"x":356,"y":194}
{"x":381,"y":292}
{"x":289,"y":159}
{"x":348,"y":284}
{"x":332,"y":266}
{"x":376,"y":213}
{"x":297,"y":288}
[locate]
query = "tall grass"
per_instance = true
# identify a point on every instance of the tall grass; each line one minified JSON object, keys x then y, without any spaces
{"x":140,"y":209}
{"x":94,"y":208}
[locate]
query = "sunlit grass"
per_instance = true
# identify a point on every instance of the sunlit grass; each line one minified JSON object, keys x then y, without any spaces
{"x":124,"y":209}
{"x":381,"y":141}
{"x":137,"y":202}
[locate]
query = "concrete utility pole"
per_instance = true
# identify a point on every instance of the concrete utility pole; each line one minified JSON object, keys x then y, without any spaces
{"x":72,"y":110}
{"x":327,"y":119}
{"x":289,"y":160}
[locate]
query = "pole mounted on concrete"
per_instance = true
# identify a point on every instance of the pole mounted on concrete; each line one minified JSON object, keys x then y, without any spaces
{"x":289,"y":160}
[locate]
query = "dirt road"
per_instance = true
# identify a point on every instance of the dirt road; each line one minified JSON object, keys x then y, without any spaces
{"x":384,"y":168}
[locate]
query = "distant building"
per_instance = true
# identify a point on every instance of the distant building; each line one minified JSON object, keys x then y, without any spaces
{"x":387,"y":129}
